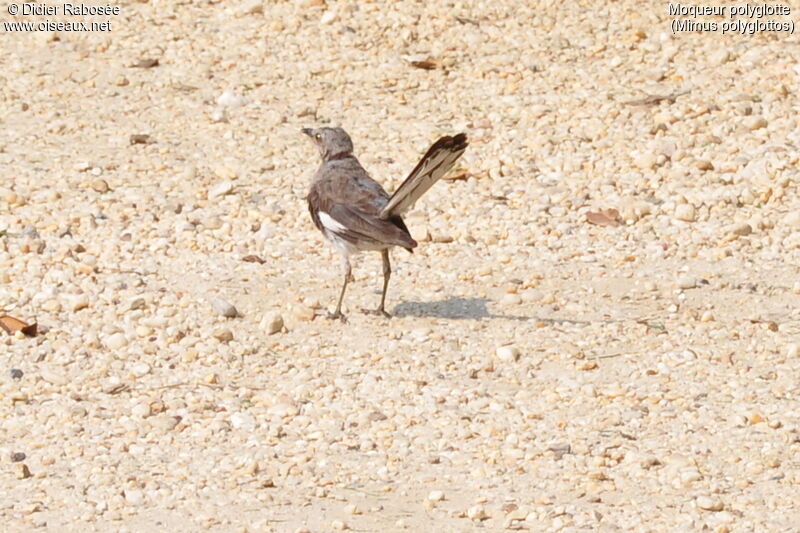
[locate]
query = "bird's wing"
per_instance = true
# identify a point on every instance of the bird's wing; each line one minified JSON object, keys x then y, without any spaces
{"x":440,"y":158}
{"x":354,"y":225}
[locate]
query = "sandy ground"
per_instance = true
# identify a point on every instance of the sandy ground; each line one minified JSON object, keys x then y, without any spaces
{"x":551,"y":366}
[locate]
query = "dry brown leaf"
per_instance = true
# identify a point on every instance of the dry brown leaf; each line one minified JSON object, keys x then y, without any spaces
{"x":11,"y":325}
{"x":604,"y":217}
{"x":140,"y":138}
{"x":253,"y":259}
{"x":425,"y":64}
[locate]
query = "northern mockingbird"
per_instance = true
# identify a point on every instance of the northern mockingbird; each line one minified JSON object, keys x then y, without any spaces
{"x":354,"y":212}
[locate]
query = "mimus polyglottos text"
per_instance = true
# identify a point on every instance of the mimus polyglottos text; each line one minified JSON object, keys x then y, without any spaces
{"x":354,"y":212}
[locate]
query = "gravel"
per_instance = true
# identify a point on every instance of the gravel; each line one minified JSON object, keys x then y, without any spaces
{"x":541,"y":372}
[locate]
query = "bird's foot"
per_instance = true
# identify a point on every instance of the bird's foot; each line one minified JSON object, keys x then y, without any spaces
{"x":338,"y":315}
{"x":377,"y":312}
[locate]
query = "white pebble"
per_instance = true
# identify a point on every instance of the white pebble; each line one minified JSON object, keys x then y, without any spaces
{"x":685,"y":212}
{"x":508,"y":353}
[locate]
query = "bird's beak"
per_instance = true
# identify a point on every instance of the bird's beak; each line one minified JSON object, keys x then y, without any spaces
{"x":308,"y":131}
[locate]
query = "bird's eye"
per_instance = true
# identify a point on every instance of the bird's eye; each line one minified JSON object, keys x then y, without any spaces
{"x":318,"y":136}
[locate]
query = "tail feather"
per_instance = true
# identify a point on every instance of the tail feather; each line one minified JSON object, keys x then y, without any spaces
{"x":439,"y":159}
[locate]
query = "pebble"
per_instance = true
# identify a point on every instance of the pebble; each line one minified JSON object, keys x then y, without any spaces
{"x":116,"y":341}
{"x":791,"y":350}
{"x":792,"y":219}
{"x":226,"y":187}
{"x":15,"y":373}
{"x":709,"y":504}
{"x":508,"y":353}
{"x":272,"y":323}
{"x":476,"y":513}
{"x":22,"y":471}
{"x":755,"y":123}
{"x":137,"y":302}
{"x":740,"y":229}
{"x":223,"y":335}
{"x":223,"y":308}
{"x":77,"y":302}
{"x":100,"y":185}
{"x":52,"y":376}
{"x":338,"y":525}
{"x":685,"y":212}
{"x":229,"y":99}
{"x":687,"y":282}
{"x":141,"y":369}
{"x":134,"y":496}
{"x":436,"y":495}
{"x":164,"y":423}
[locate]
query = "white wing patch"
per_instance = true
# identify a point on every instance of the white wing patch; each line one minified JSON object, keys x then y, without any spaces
{"x":330,"y":224}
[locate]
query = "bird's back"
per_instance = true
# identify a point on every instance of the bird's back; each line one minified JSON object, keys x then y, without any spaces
{"x":344,"y":181}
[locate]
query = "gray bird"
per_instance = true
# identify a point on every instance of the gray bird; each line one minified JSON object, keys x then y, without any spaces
{"x":354,"y":212}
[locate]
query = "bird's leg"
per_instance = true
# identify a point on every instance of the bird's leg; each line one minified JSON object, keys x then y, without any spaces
{"x":347,"y":274}
{"x":387,"y":273}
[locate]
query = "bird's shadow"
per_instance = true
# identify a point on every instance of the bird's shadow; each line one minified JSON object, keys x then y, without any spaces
{"x":470,"y":308}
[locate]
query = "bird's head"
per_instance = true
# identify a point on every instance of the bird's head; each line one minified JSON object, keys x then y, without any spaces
{"x":333,"y":143}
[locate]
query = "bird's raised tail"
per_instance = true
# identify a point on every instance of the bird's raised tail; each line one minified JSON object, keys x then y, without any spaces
{"x":433,"y":165}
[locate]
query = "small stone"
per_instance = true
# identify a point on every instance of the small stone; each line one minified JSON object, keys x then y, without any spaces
{"x":476,"y":513}
{"x":704,"y":164}
{"x":687,"y":282}
{"x":338,"y":525}
{"x":243,"y":420}
{"x":685,"y":212}
{"x":16,"y":373}
{"x":709,"y":504}
{"x":302,"y":313}
{"x":250,"y":7}
{"x":165,"y":422}
{"x":436,"y":495}
{"x":511,"y":299}
{"x":223,"y":335}
{"x":352,"y":509}
{"x":100,"y":185}
{"x":137,"y":302}
{"x":328,"y":17}
{"x":219,"y":115}
{"x":223,"y":308}
{"x":134,"y":496}
{"x":141,"y":410}
{"x":791,"y":350}
{"x":740,"y":229}
{"x":229,"y":99}
{"x":116,"y":341}
{"x":22,"y":471}
{"x":755,"y":123}
{"x":792,"y":219}
{"x":17,"y":457}
{"x":220,"y":190}
{"x":272,"y":323}
{"x":52,"y":377}
{"x":140,"y":369}
{"x":78,"y":302}
{"x":707,"y":316}
{"x":720,"y":57}
{"x":29,"y":232}
{"x":508,"y":353}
